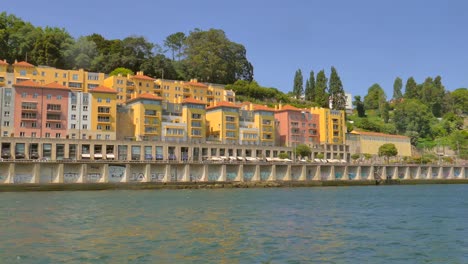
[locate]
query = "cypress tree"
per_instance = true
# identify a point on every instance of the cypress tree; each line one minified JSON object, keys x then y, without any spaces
{"x":310,"y":90}
{"x":298,"y":88}
{"x":338,"y":98}
{"x":321,"y":93}
{"x":397,"y":85}
{"x":411,"y":89}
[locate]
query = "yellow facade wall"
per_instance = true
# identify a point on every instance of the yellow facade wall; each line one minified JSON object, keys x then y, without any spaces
{"x":332,"y":125}
{"x":103,"y":115}
{"x":194,"y":116}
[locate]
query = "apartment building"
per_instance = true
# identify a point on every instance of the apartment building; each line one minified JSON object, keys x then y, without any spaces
{"x":223,"y":122}
{"x":103,"y":113}
{"x":332,"y":125}
{"x":296,"y":126}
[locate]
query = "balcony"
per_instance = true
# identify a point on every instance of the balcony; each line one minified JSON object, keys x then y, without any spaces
{"x":29,"y":109}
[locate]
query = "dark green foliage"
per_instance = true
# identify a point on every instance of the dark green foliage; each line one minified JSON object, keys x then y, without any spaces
{"x":386,"y":112}
{"x":397,"y":86}
{"x":310,"y":88}
{"x":175,"y":42}
{"x":303,"y":150}
{"x":252,"y":91}
{"x":413,"y":116}
{"x":298,"y":84}
{"x":459,"y":100}
{"x":359,"y":106}
{"x":338,"y":98}
{"x":321,"y":90}
{"x":411,"y":89}
{"x":388,"y":150}
{"x":375,"y":98}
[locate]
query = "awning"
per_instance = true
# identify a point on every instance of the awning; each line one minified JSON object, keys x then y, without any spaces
{"x":110,"y":156}
{"x":98,"y":155}
{"x":86,"y":155}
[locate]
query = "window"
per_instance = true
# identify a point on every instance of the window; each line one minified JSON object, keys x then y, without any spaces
{"x":22,"y":134}
{"x":59,"y":97}
{"x":99,"y":100}
{"x":75,"y":77}
{"x":23,"y":95}
{"x":5,"y":133}
{"x":42,"y":73}
{"x":73,"y":108}
{"x":85,"y":108}
{"x":35,"y":95}
{"x":57,"y":135}
{"x":73,"y":117}
{"x":99,"y":127}
{"x":22,"y":124}
{"x":56,"y":75}
{"x":6,"y":123}
{"x":23,"y":73}
{"x":85,"y":117}
{"x":6,"y":114}
{"x":108,"y":127}
{"x":64,"y":75}
{"x":108,"y":100}
{"x":33,"y":134}
{"x":49,"y":96}
{"x":98,"y":136}
{"x":73,"y":126}
{"x":47,"y":125}
{"x":33,"y":124}
{"x":85,"y":126}
{"x":47,"y":135}
{"x":58,"y":125}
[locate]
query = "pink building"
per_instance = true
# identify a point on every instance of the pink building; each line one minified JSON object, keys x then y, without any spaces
{"x":40,"y":110}
{"x":296,"y":126}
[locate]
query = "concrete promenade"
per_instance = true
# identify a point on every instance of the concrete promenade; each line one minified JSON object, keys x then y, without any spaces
{"x":16,"y":175}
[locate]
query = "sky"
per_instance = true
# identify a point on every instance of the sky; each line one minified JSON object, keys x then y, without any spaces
{"x":367,"y":41}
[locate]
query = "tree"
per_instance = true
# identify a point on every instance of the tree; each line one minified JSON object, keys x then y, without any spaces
{"x":411,"y":89}
{"x":375,"y":98}
{"x":81,"y":54}
{"x":160,"y":66}
{"x":310,"y":89}
{"x":397,"y":85}
{"x":388,"y":150}
{"x":283,"y":155}
{"x":298,"y":84}
{"x":50,"y":46}
{"x":359,"y":106}
{"x":303,"y":150}
{"x":413,"y":116}
{"x":367,"y":156}
{"x":386,"y":112}
{"x":321,"y":93}
{"x":337,"y":94}
{"x":458,"y":141}
{"x":355,"y":156}
{"x":175,"y":42}
{"x":212,"y":57}
{"x":460,"y":100}
{"x":320,"y":156}
{"x":122,"y":71}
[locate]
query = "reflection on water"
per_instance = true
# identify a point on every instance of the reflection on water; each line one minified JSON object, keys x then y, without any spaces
{"x":394,"y":224}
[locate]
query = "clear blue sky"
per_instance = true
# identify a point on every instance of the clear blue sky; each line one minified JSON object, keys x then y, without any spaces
{"x":367,"y":41}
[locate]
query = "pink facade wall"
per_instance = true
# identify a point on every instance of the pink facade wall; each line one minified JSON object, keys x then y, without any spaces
{"x":41,"y":112}
{"x":303,"y":133}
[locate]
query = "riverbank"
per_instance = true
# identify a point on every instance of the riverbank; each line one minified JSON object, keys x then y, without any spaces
{"x":211,"y":185}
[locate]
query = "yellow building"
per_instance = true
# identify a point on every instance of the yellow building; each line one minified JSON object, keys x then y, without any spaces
{"x":147,"y":114}
{"x":223,"y":122}
{"x":370,"y":142}
{"x":332,"y":125}
{"x":264,"y":120}
{"x":103,"y":113}
{"x":119,"y":84}
{"x":193,"y":114}
{"x":77,"y":80}
{"x":3,"y":73}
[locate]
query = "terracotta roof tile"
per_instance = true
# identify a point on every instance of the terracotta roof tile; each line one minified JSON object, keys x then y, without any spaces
{"x":263,"y":108}
{"x":28,"y":83}
{"x":103,"y":89}
{"x":190,"y":100}
{"x":142,"y":77}
{"x":23,"y":64}
{"x":289,"y":107}
{"x":376,"y":134}
{"x":224,"y":104}
{"x":55,"y":85}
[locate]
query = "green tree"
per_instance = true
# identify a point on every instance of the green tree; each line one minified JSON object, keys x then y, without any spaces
{"x":283,"y":155}
{"x":160,"y":66}
{"x":355,"y":156}
{"x":303,"y":150}
{"x":386,"y":112}
{"x":413,"y":116}
{"x":50,"y":46}
{"x":460,"y":100}
{"x":337,"y":94}
{"x":458,"y":141}
{"x":80,"y":54}
{"x":122,"y":71}
{"x":320,"y":156}
{"x":388,"y":150}
{"x":397,"y":86}
{"x":310,"y":89}
{"x":212,"y":57}
{"x":411,"y":89}
{"x":298,"y":84}
{"x":375,"y":98}
{"x":321,"y":93}
{"x":175,"y":42}
{"x":359,"y":106}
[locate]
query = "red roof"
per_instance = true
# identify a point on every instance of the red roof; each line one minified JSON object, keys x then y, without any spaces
{"x":376,"y":134}
{"x":289,"y":107}
{"x":190,"y":100}
{"x":143,"y":77}
{"x":55,"y":85}
{"x":197,"y":84}
{"x":103,"y":89}
{"x":3,"y":62}
{"x":28,"y":83}
{"x":146,"y":96}
{"x":263,"y":108}
{"x":224,"y":104}
{"x":22,"y":64}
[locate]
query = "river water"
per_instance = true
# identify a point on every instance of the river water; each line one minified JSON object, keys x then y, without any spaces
{"x":373,"y":224}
